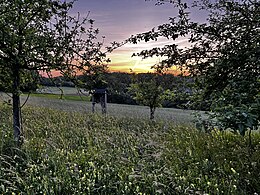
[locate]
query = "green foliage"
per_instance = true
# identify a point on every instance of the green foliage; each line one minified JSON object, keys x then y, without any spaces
{"x":241,"y":117}
{"x":117,"y":84}
{"x":29,"y":81}
{"x":149,"y":93}
{"x":72,"y":153}
{"x":222,"y":56}
{"x":40,"y":37}
{"x":94,"y":77}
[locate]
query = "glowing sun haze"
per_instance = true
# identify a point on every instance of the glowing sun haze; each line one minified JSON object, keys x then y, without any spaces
{"x":117,"y":20}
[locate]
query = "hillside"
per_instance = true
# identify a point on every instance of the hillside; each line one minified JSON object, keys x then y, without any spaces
{"x":119,"y":110}
{"x":77,"y":153}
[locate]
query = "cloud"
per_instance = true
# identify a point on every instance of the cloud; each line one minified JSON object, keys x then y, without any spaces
{"x":122,"y":57}
{"x":117,"y":20}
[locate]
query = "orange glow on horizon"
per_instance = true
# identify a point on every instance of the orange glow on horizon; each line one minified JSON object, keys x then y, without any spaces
{"x":137,"y":65}
{"x":122,"y":60}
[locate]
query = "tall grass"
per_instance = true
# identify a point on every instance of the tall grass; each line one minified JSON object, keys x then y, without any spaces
{"x":75,"y":153}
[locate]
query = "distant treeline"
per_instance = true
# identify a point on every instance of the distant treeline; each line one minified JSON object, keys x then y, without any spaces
{"x":117,"y":84}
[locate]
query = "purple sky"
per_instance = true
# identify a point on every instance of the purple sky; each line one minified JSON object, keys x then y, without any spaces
{"x":117,"y":20}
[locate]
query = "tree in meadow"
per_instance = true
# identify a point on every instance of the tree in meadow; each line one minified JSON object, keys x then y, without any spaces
{"x":41,"y":36}
{"x":149,"y":92}
{"x":222,"y":55}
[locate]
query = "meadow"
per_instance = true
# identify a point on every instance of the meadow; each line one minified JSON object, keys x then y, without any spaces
{"x":67,"y":150}
{"x":82,"y":104}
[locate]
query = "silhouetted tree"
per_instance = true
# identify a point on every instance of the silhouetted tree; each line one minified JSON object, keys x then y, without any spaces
{"x":222,"y":56}
{"x":42,"y":36}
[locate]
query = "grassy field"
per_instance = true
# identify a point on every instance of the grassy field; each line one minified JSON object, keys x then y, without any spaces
{"x":62,"y":97}
{"x":177,"y":116}
{"x":69,"y":150}
{"x":81,"y":153}
{"x":66,"y":93}
{"x":59,"y":90}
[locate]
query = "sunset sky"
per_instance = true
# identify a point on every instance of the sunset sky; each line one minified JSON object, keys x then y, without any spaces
{"x":117,"y":20}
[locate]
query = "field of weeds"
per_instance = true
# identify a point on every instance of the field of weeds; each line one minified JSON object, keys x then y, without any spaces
{"x":81,"y":153}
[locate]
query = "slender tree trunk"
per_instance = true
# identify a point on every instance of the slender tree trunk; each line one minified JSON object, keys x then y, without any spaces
{"x":16,"y":117}
{"x":16,"y":90}
{"x":152,"y":111}
{"x":16,"y":106}
{"x":62,"y":93}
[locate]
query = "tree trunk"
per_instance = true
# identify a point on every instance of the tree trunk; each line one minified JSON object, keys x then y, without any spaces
{"x":152,"y":111}
{"x":16,"y":106}
{"x":16,"y":117}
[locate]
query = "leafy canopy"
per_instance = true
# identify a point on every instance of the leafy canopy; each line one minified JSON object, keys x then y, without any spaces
{"x":41,"y":36}
{"x":222,"y":55}
{"x":149,"y":92}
